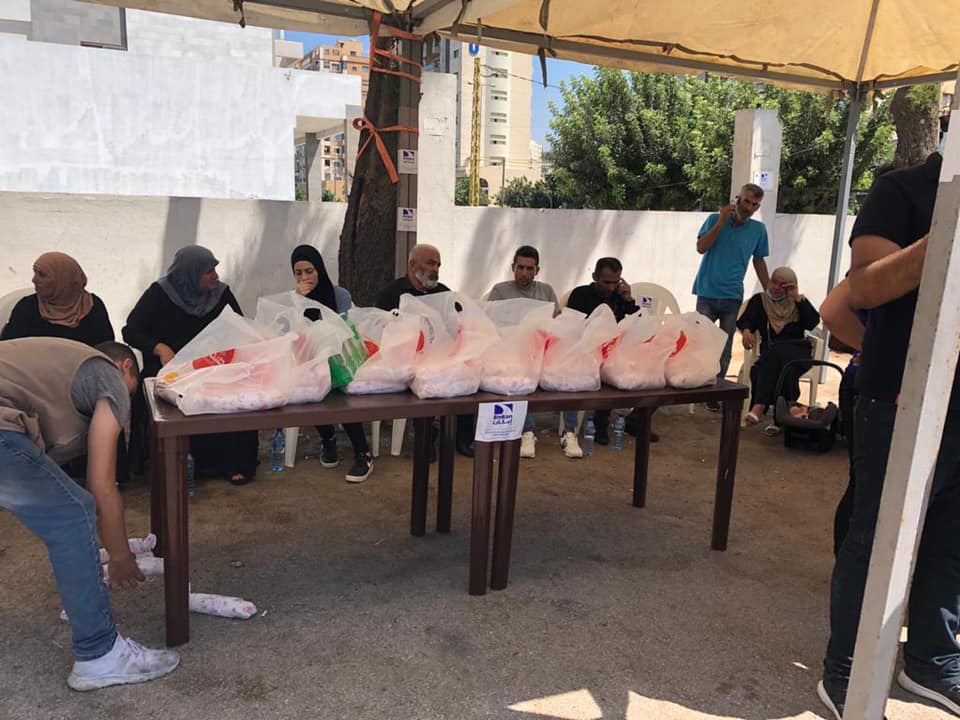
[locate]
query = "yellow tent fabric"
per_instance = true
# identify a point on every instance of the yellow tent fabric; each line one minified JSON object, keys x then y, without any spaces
{"x":814,"y":44}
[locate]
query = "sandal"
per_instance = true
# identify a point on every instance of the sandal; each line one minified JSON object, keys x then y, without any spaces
{"x":750,"y":419}
{"x":771,"y":431}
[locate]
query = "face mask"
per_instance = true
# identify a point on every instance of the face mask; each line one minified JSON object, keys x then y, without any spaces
{"x":775,"y":298}
{"x":942,"y":145}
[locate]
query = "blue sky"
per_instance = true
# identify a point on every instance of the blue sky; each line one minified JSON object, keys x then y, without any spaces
{"x":557,"y":71}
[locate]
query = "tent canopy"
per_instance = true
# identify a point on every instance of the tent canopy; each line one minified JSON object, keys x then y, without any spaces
{"x":821,"y":45}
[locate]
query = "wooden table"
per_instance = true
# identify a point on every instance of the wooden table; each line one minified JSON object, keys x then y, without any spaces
{"x":730,"y":395}
{"x":170,"y":433}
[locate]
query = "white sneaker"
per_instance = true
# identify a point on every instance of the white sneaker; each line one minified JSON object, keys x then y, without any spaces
{"x":128,"y":662}
{"x":570,"y":445}
{"x":528,"y":445}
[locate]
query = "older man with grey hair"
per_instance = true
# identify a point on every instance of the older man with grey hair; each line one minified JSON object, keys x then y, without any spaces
{"x":422,"y":278}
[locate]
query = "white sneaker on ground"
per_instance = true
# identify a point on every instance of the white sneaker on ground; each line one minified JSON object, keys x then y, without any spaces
{"x":528,"y":445}
{"x":570,"y":445}
{"x":127,"y":662}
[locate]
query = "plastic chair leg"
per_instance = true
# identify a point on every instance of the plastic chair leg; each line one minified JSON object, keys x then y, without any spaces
{"x":396,"y":439}
{"x":375,"y":438}
{"x":290,"y":454}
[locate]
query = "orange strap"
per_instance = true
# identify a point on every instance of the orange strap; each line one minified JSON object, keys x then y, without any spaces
{"x":361,"y":123}
{"x":375,"y":51}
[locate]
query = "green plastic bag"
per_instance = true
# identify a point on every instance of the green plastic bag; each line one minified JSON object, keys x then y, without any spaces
{"x":353,"y":354}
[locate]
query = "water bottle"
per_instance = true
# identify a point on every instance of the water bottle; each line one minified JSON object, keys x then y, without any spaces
{"x":589,"y":434}
{"x":619,"y":425}
{"x":191,"y":476}
{"x":278,"y":448}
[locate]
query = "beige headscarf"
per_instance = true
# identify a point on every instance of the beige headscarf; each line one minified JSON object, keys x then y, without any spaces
{"x":781,"y":312}
{"x":69,"y":302}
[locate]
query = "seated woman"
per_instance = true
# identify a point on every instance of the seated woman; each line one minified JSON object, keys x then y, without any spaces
{"x":61,"y":307}
{"x":777,"y":319}
{"x":312,"y":280}
{"x":171,"y":312}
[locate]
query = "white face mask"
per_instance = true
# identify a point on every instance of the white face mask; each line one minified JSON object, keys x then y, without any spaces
{"x":942,"y":145}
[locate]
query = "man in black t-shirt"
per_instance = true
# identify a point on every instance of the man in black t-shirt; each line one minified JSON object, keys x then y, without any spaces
{"x":889,"y":241}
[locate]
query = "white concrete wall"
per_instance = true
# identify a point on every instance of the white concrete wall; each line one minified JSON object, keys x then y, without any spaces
{"x":86,"y":120}
{"x":124,"y":243}
{"x":175,"y":36}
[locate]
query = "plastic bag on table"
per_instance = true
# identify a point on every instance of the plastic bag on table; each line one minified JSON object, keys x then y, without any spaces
{"x":250,"y":377}
{"x":392,"y":341}
{"x":576,"y":348}
{"x":637,"y":360}
{"x":213,"y":344}
{"x":284,"y":312}
{"x":353,"y":353}
{"x":513,"y":365}
{"x":456,"y":333}
{"x":695,"y":360}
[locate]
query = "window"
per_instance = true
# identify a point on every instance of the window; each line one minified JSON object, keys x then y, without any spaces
{"x":335,"y":67}
{"x":339,"y":151}
{"x":498,"y":139}
{"x":353,"y":53}
{"x":498,"y":95}
{"x":366,"y":69}
{"x":498,"y":117}
{"x":326,"y":148}
{"x":336,"y":163}
{"x":326,"y":163}
{"x":338,"y":136}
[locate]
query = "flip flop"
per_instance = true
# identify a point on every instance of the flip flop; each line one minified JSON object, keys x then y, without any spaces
{"x":750,"y":419}
{"x":771,"y":431}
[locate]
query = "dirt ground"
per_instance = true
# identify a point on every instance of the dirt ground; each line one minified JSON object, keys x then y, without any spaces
{"x":611,"y":611}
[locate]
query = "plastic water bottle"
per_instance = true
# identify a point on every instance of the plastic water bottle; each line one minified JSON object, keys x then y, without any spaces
{"x":278,"y":448}
{"x":191,"y":476}
{"x":589,"y":435}
{"x":619,"y":425}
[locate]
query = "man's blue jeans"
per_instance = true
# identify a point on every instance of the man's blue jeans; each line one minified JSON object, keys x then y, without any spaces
{"x":725,"y":310}
{"x":64,"y":516}
{"x":932,"y":652}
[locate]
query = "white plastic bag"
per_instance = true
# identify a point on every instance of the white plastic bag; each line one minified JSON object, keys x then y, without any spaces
{"x":513,"y":365}
{"x":232,"y":379}
{"x":392,"y":341}
{"x":456,"y":333}
{"x":637,"y":360}
{"x":695,"y":360}
{"x":575,"y":349}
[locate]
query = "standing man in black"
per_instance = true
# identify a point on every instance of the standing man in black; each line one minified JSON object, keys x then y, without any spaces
{"x":889,"y":243}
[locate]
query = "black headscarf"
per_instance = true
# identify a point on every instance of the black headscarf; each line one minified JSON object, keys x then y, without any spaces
{"x":323,"y":292}
{"x":182,"y":281}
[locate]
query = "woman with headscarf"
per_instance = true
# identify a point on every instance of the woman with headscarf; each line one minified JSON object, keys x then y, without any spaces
{"x":312,"y":280}
{"x":169,"y":314}
{"x":61,"y":307}
{"x":778,"y":319}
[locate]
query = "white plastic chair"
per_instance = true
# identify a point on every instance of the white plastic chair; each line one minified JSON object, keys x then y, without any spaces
{"x":8,"y":301}
{"x":654,"y":298}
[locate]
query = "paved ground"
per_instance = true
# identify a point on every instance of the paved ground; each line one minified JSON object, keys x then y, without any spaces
{"x":627,"y":610}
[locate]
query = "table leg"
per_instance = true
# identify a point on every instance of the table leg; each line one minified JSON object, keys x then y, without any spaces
{"x":421,"y":476}
{"x":176,"y":566}
{"x":480,"y":520}
{"x":448,"y":435}
{"x":503,"y":520}
{"x":155,"y":468}
{"x":641,"y":459}
{"x":726,"y":472}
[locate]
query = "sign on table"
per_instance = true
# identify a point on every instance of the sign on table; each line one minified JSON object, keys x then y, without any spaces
{"x":499,"y":421}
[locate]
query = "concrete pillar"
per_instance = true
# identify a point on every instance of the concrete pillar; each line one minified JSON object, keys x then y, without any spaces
{"x":314,"y":162}
{"x":757,"y":143}
{"x":351,"y":141}
{"x":436,"y":157}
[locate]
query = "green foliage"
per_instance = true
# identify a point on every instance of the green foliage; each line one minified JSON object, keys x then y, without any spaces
{"x":328,"y":196}
{"x":643,"y":141}
{"x":462,"y":192}
{"x":522,"y":193}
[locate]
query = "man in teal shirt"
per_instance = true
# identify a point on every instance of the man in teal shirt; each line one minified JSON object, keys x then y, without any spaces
{"x":728,"y":240}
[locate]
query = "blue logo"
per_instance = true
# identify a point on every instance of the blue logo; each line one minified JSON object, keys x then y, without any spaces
{"x":474,"y":49}
{"x":502,"y":413}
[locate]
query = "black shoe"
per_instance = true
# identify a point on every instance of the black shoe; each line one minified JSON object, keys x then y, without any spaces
{"x":361,"y":468}
{"x":833,"y":699}
{"x":465,"y":448}
{"x":713,"y":406}
{"x":943,"y":692}
{"x":602,"y":436}
{"x":329,"y":457}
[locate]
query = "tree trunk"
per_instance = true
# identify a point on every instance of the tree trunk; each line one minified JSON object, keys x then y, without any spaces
{"x":368,"y":240}
{"x":915,"y":115}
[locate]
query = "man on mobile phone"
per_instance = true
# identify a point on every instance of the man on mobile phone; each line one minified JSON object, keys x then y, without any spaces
{"x":728,"y":240}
